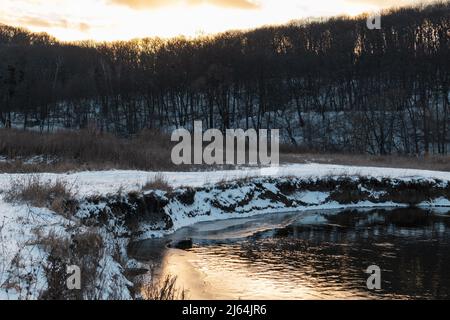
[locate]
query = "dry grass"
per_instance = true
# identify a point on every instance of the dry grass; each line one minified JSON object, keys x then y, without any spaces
{"x":226,"y":182}
{"x":84,"y":250}
{"x":158,"y":182}
{"x":57,"y":196}
{"x":164,"y":289}
{"x":19,"y":166}
{"x":83,"y":149}
{"x":432,"y":162}
{"x":52,"y":242}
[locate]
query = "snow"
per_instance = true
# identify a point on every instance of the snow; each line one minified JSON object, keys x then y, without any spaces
{"x":312,"y":197}
{"x":104,"y":182}
{"x":441,"y":202}
{"x":20,"y":263}
{"x":23,"y":260}
{"x":202,"y":211}
{"x":311,"y":218}
{"x":19,"y":224}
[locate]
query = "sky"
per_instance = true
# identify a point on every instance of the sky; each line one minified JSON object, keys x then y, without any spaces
{"x":106,"y":20}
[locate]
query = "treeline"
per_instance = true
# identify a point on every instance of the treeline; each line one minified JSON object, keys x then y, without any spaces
{"x":331,"y":85}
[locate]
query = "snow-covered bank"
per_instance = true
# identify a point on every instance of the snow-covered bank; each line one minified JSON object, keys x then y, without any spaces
{"x":128,"y":215}
{"x":104,"y":182}
{"x":29,"y":238}
{"x":156,"y":213}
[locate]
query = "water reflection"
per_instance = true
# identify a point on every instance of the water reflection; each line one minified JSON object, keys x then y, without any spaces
{"x":316,"y":255}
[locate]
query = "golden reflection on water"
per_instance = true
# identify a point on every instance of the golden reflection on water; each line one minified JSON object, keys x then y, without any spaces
{"x":210,"y":276}
{"x":322,"y":261}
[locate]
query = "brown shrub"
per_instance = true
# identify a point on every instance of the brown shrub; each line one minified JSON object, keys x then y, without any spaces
{"x":433,"y":162}
{"x":56,"y":196}
{"x":89,"y":243}
{"x":164,"y":289}
{"x":84,"y":250}
{"x":158,"y":182}
{"x":75,"y":150}
{"x":151,"y":150}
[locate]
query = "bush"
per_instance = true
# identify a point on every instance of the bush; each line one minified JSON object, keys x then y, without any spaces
{"x":164,"y":289}
{"x":158,"y":182}
{"x":56,"y":196}
{"x":84,"y":250}
{"x":83,"y":150}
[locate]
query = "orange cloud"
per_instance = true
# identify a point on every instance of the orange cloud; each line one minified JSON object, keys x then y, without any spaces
{"x":34,"y":21}
{"x":148,"y":4}
{"x":386,"y":3}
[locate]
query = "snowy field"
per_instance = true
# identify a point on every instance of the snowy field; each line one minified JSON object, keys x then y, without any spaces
{"x":104,"y":182}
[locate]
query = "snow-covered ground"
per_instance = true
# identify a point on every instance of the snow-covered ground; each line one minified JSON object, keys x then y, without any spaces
{"x":21,"y":258}
{"x":104,"y":182}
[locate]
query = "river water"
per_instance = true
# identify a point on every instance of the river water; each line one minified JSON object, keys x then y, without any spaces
{"x":313,"y":255}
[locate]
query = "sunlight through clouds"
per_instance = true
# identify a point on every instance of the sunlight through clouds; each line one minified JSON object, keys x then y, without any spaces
{"x":149,"y":4}
{"x":126,"y":19}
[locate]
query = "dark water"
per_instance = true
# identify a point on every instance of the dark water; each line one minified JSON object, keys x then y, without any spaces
{"x":316,"y":255}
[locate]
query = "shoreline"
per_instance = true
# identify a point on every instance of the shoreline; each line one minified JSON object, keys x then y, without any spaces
{"x":200,"y":278}
{"x":120,"y":218}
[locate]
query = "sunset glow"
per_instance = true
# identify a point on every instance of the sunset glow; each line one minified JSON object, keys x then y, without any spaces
{"x":126,"y":19}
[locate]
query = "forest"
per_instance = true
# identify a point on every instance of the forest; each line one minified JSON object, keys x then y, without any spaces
{"x":330,"y":85}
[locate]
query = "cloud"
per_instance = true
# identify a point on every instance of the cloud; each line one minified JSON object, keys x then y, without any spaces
{"x":83,"y":27}
{"x":33,"y":21}
{"x":40,"y":23}
{"x":149,"y":4}
{"x":385,"y":3}
{"x":239,"y":4}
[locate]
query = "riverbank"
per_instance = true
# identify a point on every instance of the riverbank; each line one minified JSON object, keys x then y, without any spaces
{"x":318,"y":254}
{"x":112,"y":210}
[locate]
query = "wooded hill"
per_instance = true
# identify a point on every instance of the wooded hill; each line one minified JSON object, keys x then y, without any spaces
{"x":329,"y":85}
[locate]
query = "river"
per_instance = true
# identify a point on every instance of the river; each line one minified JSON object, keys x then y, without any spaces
{"x":310,"y":255}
